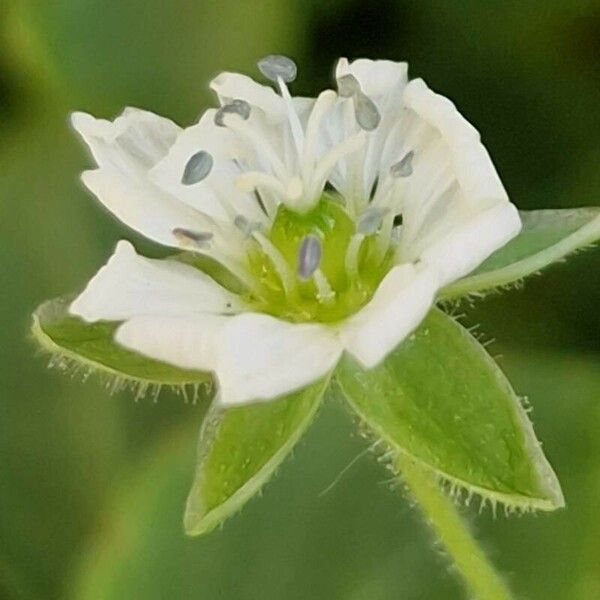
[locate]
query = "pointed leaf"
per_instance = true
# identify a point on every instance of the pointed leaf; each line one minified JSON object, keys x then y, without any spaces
{"x":440,"y":398}
{"x":547,"y":237}
{"x":92,"y":345}
{"x":239,"y":450}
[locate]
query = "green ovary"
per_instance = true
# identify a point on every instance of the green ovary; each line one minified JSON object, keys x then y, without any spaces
{"x":329,"y":222}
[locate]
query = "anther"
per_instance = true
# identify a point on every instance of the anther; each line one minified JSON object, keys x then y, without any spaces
{"x":197,"y":168}
{"x":309,"y":257}
{"x":276,"y":66}
{"x":235,"y":107}
{"x":241,"y":223}
{"x":348,"y":86}
{"x":196,"y":238}
{"x":403,"y":168}
{"x":245,"y":226}
{"x":370,"y":221}
{"x":366,"y":112}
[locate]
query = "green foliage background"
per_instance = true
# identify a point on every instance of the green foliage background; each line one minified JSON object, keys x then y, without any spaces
{"x":92,"y":485}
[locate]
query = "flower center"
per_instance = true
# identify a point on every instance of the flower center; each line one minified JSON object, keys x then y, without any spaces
{"x":317,"y":266}
{"x":310,"y":255}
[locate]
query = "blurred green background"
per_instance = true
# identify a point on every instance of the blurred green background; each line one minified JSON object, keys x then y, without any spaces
{"x":92,"y":485}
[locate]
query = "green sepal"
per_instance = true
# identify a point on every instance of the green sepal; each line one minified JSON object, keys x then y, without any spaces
{"x":442,"y":400}
{"x":547,"y":237}
{"x":240,"y":448}
{"x":92,"y":346}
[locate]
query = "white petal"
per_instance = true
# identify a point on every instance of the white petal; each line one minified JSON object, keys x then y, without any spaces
{"x":400,"y":303}
{"x":130,"y":285}
{"x":384,"y":82}
{"x":125,"y":150}
{"x":209,"y":195}
{"x":471,"y":162}
{"x":143,"y":207}
{"x":455,"y":209}
{"x":185,"y":342}
{"x":254,"y":356}
{"x":132,"y":143}
{"x":261,"y":357}
{"x":234,"y":86}
{"x":466,"y":246}
{"x":377,"y":78}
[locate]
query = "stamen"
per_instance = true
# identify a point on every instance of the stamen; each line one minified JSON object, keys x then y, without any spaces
{"x":370,"y":221}
{"x":281,"y":70}
{"x":322,"y":105}
{"x":278,"y":260}
{"x":245,"y":226}
{"x":225,"y":254}
{"x":276,"y":66}
{"x":367,"y":114}
{"x":348,"y":86}
{"x":354,"y":167}
{"x":351,"y":260}
{"x":239,"y":270}
{"x":328,"y":162}
{"x":294,"y":189}
{"x":403,"y":168}
{"x":257,"y":140}
{"x":197,"y":168}
{"x":384,"y":239}
{"x":241,"y":222}
{"x":309,"y":257}
{"x":268,"y":191}
{"x":237,"y":107}
{"x":293,"y":119}
{"x":194,"y":238}
{"x":390,"y":193}
{"x":251,"y":180}
{"x":325,"y":293}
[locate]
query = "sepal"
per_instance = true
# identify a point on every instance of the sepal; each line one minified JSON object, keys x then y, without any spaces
{"x":547,"y":236}
{"x":91,"y":347}
{"x":440,"y":399}
{"x":239,"y":450}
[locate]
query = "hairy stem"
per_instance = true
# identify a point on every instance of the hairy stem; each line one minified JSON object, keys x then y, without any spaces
{"x":439,"y":510}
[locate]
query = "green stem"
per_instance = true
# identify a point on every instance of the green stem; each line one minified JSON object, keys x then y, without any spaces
{"x":453,"y":532}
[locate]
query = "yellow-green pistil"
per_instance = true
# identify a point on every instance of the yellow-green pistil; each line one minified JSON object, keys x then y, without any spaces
{"x":327,"y":290}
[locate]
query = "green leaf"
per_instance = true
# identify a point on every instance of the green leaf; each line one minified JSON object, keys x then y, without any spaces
{"x":547,"y":237}
{"x":442,"y":400}
{"x":239,"y":450}
{"x":92,"y":345}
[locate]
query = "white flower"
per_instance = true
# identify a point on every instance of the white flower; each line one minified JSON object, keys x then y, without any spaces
{"x":413,"y":203}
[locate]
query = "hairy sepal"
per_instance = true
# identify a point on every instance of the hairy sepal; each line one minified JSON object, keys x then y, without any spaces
{"x":90,"y":348}
{"x":547,"y":237}
{"x":239,"y":450}
{"x":440,"y":399}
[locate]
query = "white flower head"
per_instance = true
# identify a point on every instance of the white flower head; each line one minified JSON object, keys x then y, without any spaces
{"x":341,"y":216}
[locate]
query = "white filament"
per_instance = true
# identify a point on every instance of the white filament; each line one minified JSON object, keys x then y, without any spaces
{"x":288,"y":280}
{"x":322,"y":105}
{"x":352,"y":253}
{"x":294,"y":120}
{"x":327,"y":163}
{"x":258,"y":141}
{"x":252,"y":180}
{"x":325,"y":293}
